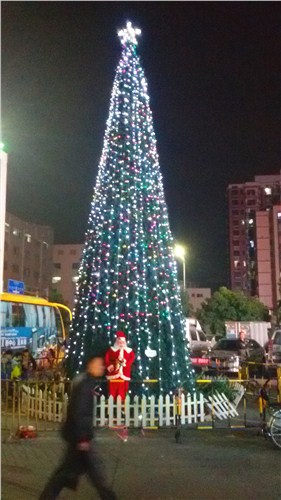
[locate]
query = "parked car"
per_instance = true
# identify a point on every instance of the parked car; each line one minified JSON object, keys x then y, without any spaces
{"x":227,"y":355}
{"x":274,"y":347}
{"x":197,"y":340}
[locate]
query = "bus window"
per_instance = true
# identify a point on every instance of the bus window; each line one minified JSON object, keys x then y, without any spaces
{"x":6,"y":314}
{"x":31,"y":317}
{"x":18,"y":315}
{"x":59,"y":325}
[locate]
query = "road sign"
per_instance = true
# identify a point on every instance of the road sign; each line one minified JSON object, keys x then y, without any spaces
{"x":16,"y":287}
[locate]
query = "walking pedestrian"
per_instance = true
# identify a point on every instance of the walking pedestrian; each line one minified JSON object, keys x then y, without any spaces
{"x":81,"y":456}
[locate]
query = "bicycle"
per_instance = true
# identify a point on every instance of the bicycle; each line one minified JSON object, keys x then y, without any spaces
{"x":272,"y":428}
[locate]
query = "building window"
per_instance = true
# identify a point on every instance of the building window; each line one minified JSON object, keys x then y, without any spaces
{"x":57,"y":265}
{"x":250,"y":203}
{"x":60,"y":252}
{"x":45,"y":244}
{"x":75,"y":265}
{"x":7,"y":227}
{"x":236,"y":263}
{"x":199,"y":295}
{"x":16,"y":250}
{"x":75,"y":279}
{"x":267,"y":190}
{"x":235,"y":212}
{"x":28,"y":238}
{"x":16,"y":232}
{"x":73,"y":252}
{"x":56,"y":279}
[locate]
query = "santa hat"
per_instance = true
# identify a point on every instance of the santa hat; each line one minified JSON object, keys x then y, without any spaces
{"x":120,"y":334}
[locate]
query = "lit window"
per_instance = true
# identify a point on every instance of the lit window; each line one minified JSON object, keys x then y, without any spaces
{"x":75,"y":265}
{"x":57,"y":265}
{"x":251,"y":222}
{"x":45,"y":244}
{"x":28,"y":237}
{"x":56,"y":279}
{"x":242,"y":222}
{"x":267,"y":190}
{"x":244,"y":263}
{"x":252,"y":244}
{"x":16,"y":232}
{"x":279,"y":215}
{"x":236,"y":263}
{"x":75,"y":279}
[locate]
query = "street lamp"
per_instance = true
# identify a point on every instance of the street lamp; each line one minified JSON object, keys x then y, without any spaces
{"x":180,"y":253}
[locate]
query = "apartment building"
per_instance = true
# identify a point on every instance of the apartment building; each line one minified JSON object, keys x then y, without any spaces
{"x":28,"y":255}
{"x":197,"y":296}
{"x":66,"y":262}
{"x":254,"y":251}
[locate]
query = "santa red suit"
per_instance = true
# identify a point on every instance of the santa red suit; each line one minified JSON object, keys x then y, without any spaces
{"x":118,"y":362}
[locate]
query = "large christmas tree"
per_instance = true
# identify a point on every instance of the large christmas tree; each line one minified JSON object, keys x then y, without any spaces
{"x":128,"y":275}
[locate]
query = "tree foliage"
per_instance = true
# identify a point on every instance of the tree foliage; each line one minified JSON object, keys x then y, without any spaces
{"x":226,"y":305}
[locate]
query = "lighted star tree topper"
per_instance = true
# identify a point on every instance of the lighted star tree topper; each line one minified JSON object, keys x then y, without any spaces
{"x":128,"y":276}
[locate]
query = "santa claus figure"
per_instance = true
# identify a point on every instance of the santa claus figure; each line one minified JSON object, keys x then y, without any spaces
{"x":118,"y":362}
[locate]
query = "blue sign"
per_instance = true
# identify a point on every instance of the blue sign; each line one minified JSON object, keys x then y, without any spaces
{"x":16,"y":287}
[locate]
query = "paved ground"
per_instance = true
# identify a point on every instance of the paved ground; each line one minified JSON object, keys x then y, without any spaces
{"x":208,"y":464}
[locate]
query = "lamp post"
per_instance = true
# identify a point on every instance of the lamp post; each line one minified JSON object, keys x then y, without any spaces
{"x":3,"y":187}
{"x":180,"y":254}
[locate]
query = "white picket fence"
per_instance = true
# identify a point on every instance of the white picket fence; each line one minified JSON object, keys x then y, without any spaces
{"x":139,"y":412}
{"x":149,"y":411}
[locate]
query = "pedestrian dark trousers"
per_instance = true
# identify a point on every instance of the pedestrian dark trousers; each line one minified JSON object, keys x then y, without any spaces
{"x":74,"y":464}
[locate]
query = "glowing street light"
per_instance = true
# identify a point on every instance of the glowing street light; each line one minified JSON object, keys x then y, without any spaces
{"x":180,"y":253}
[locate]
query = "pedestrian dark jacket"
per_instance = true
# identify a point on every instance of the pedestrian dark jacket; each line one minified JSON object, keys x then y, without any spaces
{"x":78,"y":426}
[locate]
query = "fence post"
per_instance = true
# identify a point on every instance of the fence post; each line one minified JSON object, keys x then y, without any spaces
{"x":45,"y":407}
{"x":19,"y":403}
{"x":189,"y":408}
{"x":136,"y":411}
{"x":110,"y":411}
{"x":160,"y":410}
{"x":127,"y":410}
{"x":152,"y":411}
{"x":167,"y":410}
{"x":278,"y":370}
{"x":119,"y":410}
{"x":143,"y":410}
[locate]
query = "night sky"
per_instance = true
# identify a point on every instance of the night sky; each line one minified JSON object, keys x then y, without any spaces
{"x":213,"y":78}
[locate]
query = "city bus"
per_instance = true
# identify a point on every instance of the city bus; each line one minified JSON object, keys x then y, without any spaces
{"x":32,"y":323}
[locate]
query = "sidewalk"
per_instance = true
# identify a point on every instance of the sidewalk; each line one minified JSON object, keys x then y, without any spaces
{"x":208,"y":464}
